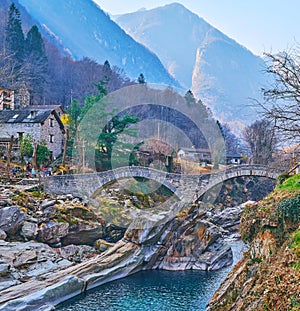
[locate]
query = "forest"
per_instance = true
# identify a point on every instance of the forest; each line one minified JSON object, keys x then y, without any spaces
{"x":29,"y":59}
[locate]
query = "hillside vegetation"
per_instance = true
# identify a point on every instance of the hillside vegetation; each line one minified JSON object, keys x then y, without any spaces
{"x":268,"y":277}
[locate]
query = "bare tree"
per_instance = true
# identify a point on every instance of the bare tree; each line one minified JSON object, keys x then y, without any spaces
{"x":9,"y":149}
{"x":261,"y":140}
{"x":282,"y":98}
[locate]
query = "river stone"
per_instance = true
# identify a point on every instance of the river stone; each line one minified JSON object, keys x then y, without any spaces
{"x":11,"y":219}
{"x":102,"y":245}
{"x":25,"y":257}
{"x":47,"y":203}
{"x":77,"y":253}
{"x":50,"y":211}
{"x":62,"y":197}
{"x":29,"y":230}
{"x":3,"y":235}
{"x":5,"y":202}
{"x":51,"y":232}
{"x":4,"y":269}
{"x":83,"y":234}
{"x":229,"y":218}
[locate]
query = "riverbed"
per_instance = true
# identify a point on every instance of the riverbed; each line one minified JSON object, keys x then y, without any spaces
{"x":155,"y":290}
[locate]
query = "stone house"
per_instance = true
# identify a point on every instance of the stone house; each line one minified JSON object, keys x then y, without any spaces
{"x":40,"y":124}
{"x":234,"y":158}
{"x":194,"y":154}
{"x":204,"y":155}
{"x":7,"y":99}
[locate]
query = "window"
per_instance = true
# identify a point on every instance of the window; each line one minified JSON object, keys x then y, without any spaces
{"x":32,"y":114}
{"x":51,"y":138}
{"x":51,"y":122}
{"x":20,"y":134}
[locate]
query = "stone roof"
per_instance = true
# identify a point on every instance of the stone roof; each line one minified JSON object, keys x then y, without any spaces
{"x":24,"y":116}
{"x":195,"y":150}
{"x":29,"y":116}
{"x":233,"y":155}
{"x":44,"y":107}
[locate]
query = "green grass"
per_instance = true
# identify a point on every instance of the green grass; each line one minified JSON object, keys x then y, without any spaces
{"x":291,"y":184}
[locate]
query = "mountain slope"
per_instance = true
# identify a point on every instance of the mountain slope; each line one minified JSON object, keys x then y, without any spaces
{"x":85,"y":30}
{"x":221,"y":72}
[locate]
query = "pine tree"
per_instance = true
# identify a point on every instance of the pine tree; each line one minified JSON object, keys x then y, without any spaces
{"x":14,"y":36}
{"x":189,"y":97}
{"x":141,"y":79}
{"x":36,"y":63}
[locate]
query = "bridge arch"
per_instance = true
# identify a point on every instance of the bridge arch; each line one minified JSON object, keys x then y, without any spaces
{"x":234,"y":172}
{"x":188,"y":187}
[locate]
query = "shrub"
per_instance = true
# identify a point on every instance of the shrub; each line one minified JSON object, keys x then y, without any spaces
{"x":289,"y":209}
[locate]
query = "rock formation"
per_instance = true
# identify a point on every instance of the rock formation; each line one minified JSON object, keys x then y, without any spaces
{"x":40,"y":275}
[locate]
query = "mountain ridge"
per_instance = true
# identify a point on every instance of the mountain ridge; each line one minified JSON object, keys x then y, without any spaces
{"x":97,"y":37}
{"x":220,"y":71}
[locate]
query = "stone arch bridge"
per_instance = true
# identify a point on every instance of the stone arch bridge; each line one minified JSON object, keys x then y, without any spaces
{"x":183,"y":186}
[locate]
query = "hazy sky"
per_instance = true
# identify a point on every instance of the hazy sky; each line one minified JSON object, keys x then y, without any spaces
{"x":259,"y":25}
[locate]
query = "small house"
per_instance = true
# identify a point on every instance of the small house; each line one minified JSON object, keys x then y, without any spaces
{"x":40,"y":124}
{"x":233,"y":159}
{"x":194,"y":154}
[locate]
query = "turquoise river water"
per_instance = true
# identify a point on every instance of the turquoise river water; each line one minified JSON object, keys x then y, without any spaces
{"x":155,"y":290}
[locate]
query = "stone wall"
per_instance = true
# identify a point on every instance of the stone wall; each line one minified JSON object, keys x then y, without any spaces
{"x":52,"y":127}
{"x":33,"y":129}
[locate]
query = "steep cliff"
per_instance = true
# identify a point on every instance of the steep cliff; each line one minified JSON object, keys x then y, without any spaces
{"x":268,"y":277}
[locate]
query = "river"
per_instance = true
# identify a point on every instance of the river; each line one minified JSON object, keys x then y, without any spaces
{"x":155,"y":290}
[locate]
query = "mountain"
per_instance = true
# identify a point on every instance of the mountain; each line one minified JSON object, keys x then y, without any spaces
{"x":82,"y":28}
{"x":224,"y":74}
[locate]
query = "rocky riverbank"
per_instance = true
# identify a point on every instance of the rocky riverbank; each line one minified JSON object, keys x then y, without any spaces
{"x":268,"y":277}
{"x":53,"y":248}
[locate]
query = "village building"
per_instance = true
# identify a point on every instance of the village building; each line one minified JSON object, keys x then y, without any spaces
{"x":58,"y":108}
{"x":194,"y":154}
{"x":7,"y":99}
{"x":234,"y":158}
{"x":41,"y":124}
{"x":202,"y":155}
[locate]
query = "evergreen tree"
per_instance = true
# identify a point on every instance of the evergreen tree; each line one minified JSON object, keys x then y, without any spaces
{"x":189,"y":97}
{"x":14,"y":36}
{"x":36,"y":63}
{"x":141,"y":79}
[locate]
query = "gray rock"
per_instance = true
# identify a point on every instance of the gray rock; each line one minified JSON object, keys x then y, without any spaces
{"x":32,"y":219}
{"x":52,"y":232}
{"x":47,"y":203}
{"x":6,"y":284}
{"x":83,"y":234}
{"x":29,"y":230}
{"x":45,"y":299}
{"x":62,"y":197}
{"x":229,"y":218}
{"x":4,"y":269}
{"x":69,"y":196}
{"x":11,"y":219}
{"x":76,"y":253}
{"x":3,"y":235}
{"x":25,"y":257}
{"x":50,"y":211}
{"x":102,"y":245}
{"x":5,"y":202}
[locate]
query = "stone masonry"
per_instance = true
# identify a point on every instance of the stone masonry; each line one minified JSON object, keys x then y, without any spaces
{"x":189,"y":187}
